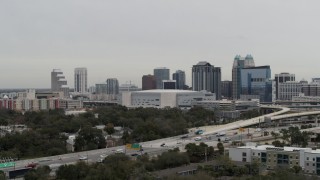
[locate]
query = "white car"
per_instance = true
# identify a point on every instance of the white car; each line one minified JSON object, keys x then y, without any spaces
{"x":81,"y":158}
{"x":103,"y":155}
{"x":119,"y":151}
{"x":197,"y":138}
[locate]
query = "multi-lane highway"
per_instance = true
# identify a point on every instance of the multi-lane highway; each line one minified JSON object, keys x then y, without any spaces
{"x":156,"y":147}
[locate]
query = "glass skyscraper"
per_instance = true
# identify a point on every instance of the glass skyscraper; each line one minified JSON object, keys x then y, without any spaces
{"x":180,"y":78}
{"x":257,"y":81}
{"x":161,"y":74}
{"x":239,"y":63}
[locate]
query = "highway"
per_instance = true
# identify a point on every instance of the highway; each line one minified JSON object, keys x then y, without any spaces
{"x":159,"y":146}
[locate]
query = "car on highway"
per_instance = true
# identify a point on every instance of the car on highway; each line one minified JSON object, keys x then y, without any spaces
{"x":134,"y":154}
{"x":81,"y":158}
{"x":103,"y":155}
{"x":32,"y":165}
{"x":198,"y":138}
{"x":184,"y":136}
{"x":163,"y":144}
{"x":226,"y":140}
{"x":198,"y":132}
{"x":100,"y":160}
{"x":119,"y":151}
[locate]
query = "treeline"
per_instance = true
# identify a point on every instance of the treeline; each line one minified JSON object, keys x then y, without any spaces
{"x":46,"y":131}
{"x":120,"y":166}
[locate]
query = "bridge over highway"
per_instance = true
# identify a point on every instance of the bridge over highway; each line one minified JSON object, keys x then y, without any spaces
{"x":243,"y":123}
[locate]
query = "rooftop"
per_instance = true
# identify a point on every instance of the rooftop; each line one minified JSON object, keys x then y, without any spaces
{"x":203,"y":63}
{"x":166,"y":91}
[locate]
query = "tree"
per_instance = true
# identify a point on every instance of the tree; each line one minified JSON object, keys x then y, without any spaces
{"x":109,"y":129}
{"x":89,"y":138}
{"x":277,"y":143}
{"x":2,"y":175}
{"x":171,"y":159}
{"x":220,"y":148}
{"x":275,"y":135}
{"x":42,"y":172}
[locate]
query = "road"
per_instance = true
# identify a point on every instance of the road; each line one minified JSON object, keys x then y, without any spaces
{"x":155,"y":148}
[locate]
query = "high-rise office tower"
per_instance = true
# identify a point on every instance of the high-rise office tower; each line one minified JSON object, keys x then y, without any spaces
{"x":148,"y":82}
{"x":161,"y":74}
{"x":239,"y":63}
{"x":59,"y":82}
{"x":257,"y":81}
{"x":80,"y":80}
{"x":112,"y":86}
{"x":180,"y":77}
{"x":206,"y":77}
{"x":282,"y":78}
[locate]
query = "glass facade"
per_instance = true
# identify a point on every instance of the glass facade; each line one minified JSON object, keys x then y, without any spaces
{"x":257,"y":81}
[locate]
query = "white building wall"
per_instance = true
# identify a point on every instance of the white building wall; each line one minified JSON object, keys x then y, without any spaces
{"x":126,"y":99}
{"x":168,"y":100}
{"x":237,"y":154}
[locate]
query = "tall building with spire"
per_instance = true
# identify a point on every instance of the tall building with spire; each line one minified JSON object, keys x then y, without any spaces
{"x":80,"y":80}
{"x":238,"y":64}
{"x":59,"y":82}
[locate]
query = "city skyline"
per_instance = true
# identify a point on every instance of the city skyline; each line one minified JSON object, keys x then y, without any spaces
{"x":127,"y":40}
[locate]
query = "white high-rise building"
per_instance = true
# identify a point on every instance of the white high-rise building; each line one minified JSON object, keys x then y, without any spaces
{"x":59,"y":82}
{"x":289,"y":89}
{"x":80,"y":80}
{"x":282,"y":78}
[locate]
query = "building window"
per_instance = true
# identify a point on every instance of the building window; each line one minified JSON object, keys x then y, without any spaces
{"x":307,"y":164}
{"x":313,"y":164}
{"x":258,"y":154}
{"x":244,"y":154}
{"x":253,"y":153}
{"x":307,"y":158}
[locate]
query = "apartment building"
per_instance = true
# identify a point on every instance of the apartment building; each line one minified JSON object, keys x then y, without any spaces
{"x":272,"y":157}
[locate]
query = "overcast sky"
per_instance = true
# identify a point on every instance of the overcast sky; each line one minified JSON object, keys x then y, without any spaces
{"x":126,"y":39}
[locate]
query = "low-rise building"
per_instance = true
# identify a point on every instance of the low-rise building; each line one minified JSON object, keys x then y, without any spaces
{"x":161,"y":98}
{"x":272,"y":157}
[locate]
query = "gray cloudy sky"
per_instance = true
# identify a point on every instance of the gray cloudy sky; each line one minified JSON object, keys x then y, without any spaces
{"x":128,"y":38}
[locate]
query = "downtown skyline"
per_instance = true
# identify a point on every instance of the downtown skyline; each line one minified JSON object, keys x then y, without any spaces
{"x":117,"y":39}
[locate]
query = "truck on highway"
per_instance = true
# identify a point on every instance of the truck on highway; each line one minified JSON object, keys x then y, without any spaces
{"x":198,"y":132}
{"x":222,"y":133}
